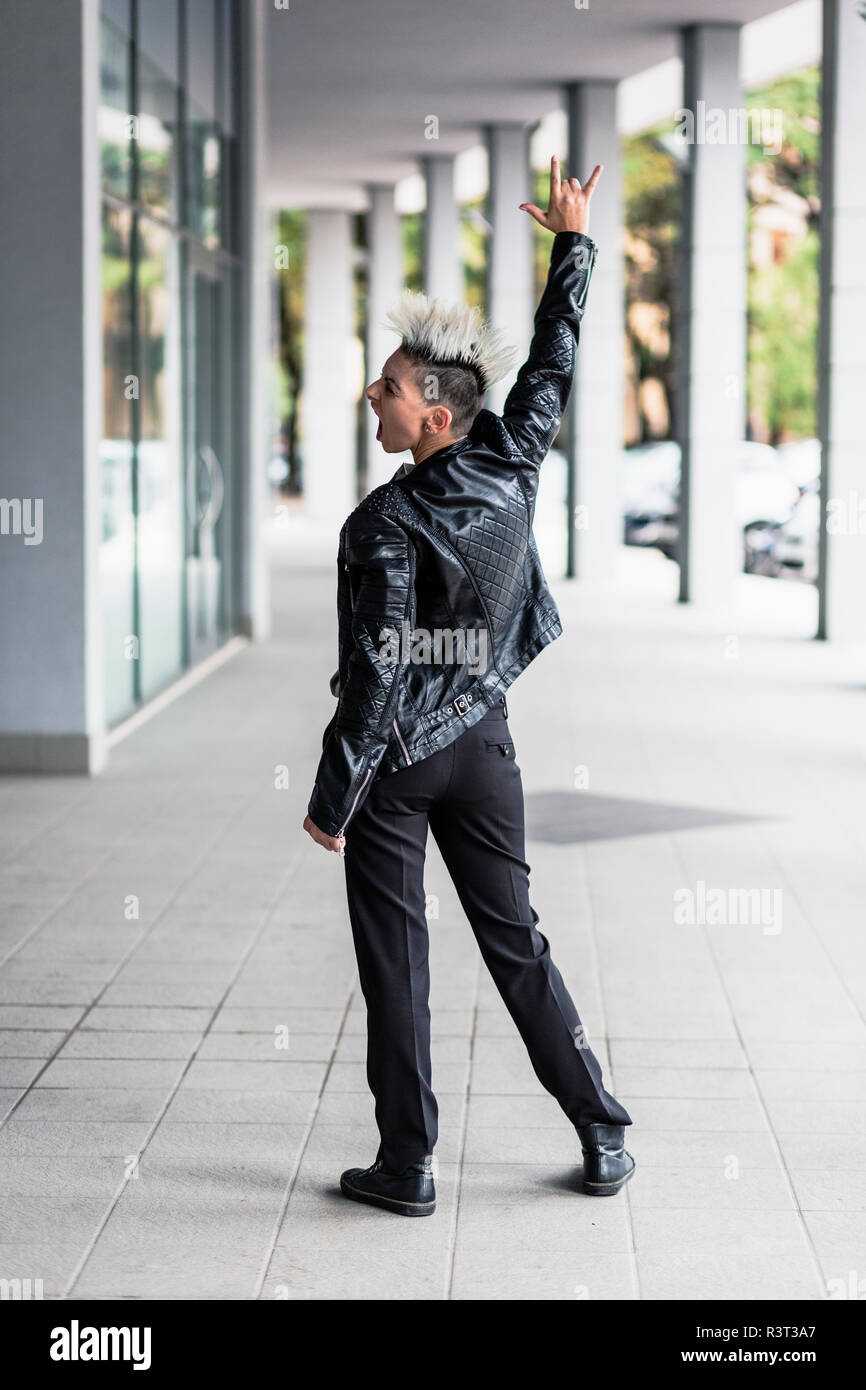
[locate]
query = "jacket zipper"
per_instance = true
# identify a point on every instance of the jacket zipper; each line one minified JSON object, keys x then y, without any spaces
{"x":392,"y":696}
{"x":581,"y":299}
{"x":402,"y":744}
{"x":351,"y":811}
{"x":394,"y":693}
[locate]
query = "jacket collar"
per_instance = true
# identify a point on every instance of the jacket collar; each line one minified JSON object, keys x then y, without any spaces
{"x":413,"y":470}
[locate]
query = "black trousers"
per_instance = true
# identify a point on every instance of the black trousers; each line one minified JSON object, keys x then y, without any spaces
{"x":471,"y":796}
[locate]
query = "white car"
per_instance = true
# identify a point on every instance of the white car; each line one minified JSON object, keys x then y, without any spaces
{"x":801,"y":460}
{"x":795,"y":545}
{"x":765,"y":495}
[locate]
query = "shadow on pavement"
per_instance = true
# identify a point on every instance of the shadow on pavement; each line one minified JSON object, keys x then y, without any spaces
{"x":565,"y":817}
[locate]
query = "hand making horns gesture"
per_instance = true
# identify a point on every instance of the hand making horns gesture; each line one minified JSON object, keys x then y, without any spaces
{"x":568,"y":204}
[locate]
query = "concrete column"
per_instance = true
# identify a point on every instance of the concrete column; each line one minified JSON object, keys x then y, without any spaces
{"x":52,"y":715}
{"x":329,"y":444}
{"x":384,"y":283}
{"x":443,"y":268}
{"x":509,"y":265}
{"x":257,"y":243}
{"x":595,"y":430}
{"x":712,"y":327}
{"x":842,"y":425}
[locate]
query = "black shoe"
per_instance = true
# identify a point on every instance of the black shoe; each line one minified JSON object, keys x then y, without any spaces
{"x":606,"y":1164}
{"x":410,"y":1193}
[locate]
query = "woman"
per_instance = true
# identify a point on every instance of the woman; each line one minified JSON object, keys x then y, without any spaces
{"x":442,"y":603}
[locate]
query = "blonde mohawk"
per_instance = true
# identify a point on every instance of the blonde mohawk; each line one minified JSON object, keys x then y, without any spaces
{"x":451,"y":335}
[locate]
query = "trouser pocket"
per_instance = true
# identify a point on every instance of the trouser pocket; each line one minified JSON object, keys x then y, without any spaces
{"x":504,"y":746}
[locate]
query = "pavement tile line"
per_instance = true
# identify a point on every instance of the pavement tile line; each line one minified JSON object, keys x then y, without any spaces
{"x":122,"y":963}
{"x":195,"y":866}
{"x":266,"y":916}
{"x":80,"y":883}
{"x":593,"y":916}
{"x":461,"y":1150}
{"x":299,"y":1159}
{"x":839,"y":971}
{"x":783,"y":1164}
{"x":47,"y":825}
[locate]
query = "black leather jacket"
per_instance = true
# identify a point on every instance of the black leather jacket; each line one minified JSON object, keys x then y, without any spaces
{"x":441,"y":597}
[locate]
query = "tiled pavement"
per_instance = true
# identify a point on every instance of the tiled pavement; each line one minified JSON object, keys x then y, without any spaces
{"x":163,"y":924}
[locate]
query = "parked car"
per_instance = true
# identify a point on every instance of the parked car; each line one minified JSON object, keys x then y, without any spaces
{"x":764,"y":498}
{"x":796,"y":540}
{"x":649,"y":492}
{"x":801,"y":460}
{"x":795,"y":544}
{"x":765,"y":495}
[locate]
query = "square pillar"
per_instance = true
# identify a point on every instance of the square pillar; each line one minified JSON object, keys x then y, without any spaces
{"x":52,"y":713}
{"x":443,"y":266}
{"x":595,"y":433}
{"x":842,"y":353}
{"x":329,"y":445}
{"x":257,"y":241}
{"x":384,"y":283}
{"x":712,"y":318}
{"x":510,"y":287}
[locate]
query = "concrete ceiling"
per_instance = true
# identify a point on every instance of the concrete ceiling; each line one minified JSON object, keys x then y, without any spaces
{"x":350,"y":82}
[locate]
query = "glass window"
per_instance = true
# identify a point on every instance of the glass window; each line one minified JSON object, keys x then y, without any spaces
{"x":158,"y":72}
{"x":202,"y":65}
{"x":204,"y":152}
{"x":231,"y":446}
{"x":158,"y":36}
{"x":171,"y":420}
{"x":204,"y":168}
{"x":115,"y":102}
{"x":160,"y":486}
{"x":119,"y":13}
{"x":228,"y":89}
{"x":229,"y":56}
{"x":117,"y":548}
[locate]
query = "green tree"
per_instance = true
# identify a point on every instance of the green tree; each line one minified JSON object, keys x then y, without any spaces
{"x":783,"y":295}
{"x":783,"y":328}
{"x":292,"y":233}
{"x":653,"y":215}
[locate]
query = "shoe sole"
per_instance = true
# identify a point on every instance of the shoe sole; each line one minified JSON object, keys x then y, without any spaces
{"x":608,"y":1189}
{"x":372,"y":1199}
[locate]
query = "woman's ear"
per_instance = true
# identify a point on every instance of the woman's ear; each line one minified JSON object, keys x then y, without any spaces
{"x":439,"y":419}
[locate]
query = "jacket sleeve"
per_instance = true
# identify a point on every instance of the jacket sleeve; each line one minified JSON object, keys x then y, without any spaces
{"x":536,"y":403}
{"x":378,"y":553}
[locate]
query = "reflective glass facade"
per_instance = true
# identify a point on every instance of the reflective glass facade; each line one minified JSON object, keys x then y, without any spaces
{"x":170,"y":276}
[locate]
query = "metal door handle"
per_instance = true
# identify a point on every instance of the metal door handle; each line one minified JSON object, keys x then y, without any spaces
{"x":207,"y":516}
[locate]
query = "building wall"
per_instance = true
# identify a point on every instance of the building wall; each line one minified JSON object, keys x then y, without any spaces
{"x":124,"y":352}
{"x":50,"y":673}
{"x":168,"y":141}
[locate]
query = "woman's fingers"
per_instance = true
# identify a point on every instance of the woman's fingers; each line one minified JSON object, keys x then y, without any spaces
{"x":562,"y":192}
{"x":593,"y":180}
{"x":329,"y":842}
